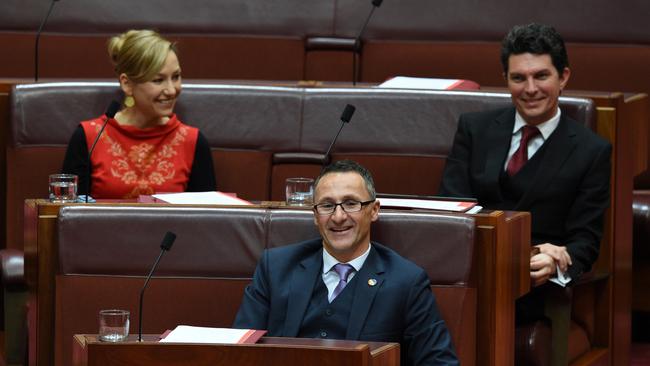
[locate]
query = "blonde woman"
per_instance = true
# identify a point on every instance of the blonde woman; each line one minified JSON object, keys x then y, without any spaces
{"x":145,"y":148}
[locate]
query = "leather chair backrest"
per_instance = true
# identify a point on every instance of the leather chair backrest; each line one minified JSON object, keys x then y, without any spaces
{"x":297,"y":40}
{"x":261,"y":135}
{"x":105,"y":252}
{"x":227,"y":242}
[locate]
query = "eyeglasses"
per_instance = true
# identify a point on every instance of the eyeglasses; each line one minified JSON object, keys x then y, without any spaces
{"x":328,"y":208}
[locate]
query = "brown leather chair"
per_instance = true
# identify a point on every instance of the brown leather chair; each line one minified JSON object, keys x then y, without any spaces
{"x":297,"y":40}
{"x":260,"y":135}
{"x":641,"y":262}
{"x":104,"y":253}
{"x":396,"y":133}
{"x":12,"y":266}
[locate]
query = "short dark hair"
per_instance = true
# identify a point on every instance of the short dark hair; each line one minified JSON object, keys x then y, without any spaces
{"x":538,"y":39}
{"x":345,"y":166}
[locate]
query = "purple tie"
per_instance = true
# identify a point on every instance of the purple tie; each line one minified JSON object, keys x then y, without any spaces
{"x":520,"y":157}
{"x":344,"y":271}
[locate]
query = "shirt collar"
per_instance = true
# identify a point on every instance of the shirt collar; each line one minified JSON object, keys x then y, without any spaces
{"x":329,"y":261}
{"x":546,"y":128}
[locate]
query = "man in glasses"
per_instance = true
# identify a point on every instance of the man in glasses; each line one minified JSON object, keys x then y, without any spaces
{"x":342,"y":285}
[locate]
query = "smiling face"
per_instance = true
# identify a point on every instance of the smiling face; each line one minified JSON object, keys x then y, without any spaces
{"x":154,"y":99}
{"x":535,"y":86}
{"x":345,"y":235}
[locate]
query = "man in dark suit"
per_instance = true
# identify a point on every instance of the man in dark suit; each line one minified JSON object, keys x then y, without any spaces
{"x":535,"y":158}
{"x":344,"y":286}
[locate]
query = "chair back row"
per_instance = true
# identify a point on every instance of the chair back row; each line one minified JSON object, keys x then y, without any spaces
{"x":261,"y":135}
{"x":104,"y":253}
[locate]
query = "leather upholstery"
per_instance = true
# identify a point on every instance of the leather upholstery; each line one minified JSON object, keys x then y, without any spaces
{"x":105,"y":253}
{"x":14,"y":305}
{"x":12,"y":262}
{"x":532,"y":343}
{"x":535,"y":339}
{"x":641,"y":251}
{"x":298,"y":40}
{"x":260,"y":135}
{"x":397,"y":19}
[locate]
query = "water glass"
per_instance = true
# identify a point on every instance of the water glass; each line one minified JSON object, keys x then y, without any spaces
{"x":113,"y":325}
{"x":63,"y":187}
{"x":300,"y":191}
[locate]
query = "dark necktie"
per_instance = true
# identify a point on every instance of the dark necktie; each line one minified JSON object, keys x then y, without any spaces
{"x":520,"y":156}
{"x":344,"y":271}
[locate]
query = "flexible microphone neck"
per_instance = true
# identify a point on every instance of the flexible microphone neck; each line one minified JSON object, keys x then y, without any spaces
{"x":38,"y":38}
{"x":166,"y":245}
{"x":346,"y":116}
{"x":110,"y":113}
{"x":357,"y":41}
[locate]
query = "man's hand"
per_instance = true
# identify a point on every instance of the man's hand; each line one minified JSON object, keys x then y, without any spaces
{"x":542,"y":267}
{"x":558,"y":253}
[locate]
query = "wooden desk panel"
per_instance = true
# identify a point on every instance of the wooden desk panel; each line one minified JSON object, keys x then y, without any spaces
{"x":269,"y":351}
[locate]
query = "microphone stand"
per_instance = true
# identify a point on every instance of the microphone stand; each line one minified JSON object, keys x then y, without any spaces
{"x":38,"y":38}
{"x":357,"y":42}
{"x":167,"y":242}
{"x":346,"y":116}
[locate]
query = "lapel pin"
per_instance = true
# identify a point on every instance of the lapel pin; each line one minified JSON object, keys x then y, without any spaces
{"x":372,"y":282}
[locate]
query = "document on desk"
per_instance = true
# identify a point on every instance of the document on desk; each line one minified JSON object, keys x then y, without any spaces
{"x":405,"y":82}
{"x":443,"y":205}
{"x":201,"y":198}
{"x":190,"y":334}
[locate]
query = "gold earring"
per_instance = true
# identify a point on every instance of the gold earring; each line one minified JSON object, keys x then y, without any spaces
{"x":129,"y":101}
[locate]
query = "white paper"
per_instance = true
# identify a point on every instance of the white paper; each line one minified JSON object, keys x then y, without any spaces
{"x":190,"y":334}
{"x":561,"y":278}
{"x":456,"y":206}
{"x":405,"y":82}
{"x":201,"y":198}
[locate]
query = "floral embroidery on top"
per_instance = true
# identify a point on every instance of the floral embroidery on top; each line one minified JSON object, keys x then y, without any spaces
{"x":143,"y":165}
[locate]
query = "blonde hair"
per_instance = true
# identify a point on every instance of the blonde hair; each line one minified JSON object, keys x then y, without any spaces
{"x":140,"y":54}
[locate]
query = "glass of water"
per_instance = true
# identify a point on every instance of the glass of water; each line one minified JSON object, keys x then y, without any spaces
{"x":113,"y":325}
{"x":300,"y":191}
{"x":63,"y":187}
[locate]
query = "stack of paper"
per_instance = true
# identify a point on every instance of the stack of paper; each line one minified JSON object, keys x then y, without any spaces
{"x":405,"y":82}
{"x":190,"y":334}
{"x":201,"y":198}
{"x":444,"y":205}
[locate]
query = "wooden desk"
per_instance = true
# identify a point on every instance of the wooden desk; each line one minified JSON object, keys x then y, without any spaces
{"x":501,"y":268}
{"x":88,"y":351}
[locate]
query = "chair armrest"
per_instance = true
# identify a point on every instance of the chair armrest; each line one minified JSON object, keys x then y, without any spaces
{"x":12,"y":263}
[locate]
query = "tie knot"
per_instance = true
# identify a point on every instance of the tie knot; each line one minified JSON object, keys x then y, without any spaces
{"x":528,"y":132}
{"x":343,"y":270}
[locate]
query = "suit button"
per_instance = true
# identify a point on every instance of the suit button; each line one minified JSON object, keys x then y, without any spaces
{"x":328,"y":312}
{"x":323,"y":334}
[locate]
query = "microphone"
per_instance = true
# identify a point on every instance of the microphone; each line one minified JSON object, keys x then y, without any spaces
{"x":346,"y":116}
{"x":38,"y":38}
{"x":166,"y":244}
{"x":357,"y":41}
{"x":110,"y":113}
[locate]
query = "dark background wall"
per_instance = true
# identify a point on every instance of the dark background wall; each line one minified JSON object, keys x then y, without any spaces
{"x":609,"y":42}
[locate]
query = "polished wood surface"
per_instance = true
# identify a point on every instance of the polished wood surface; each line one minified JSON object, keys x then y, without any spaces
{"x":504,"y":267}
{"x":88,"y":351}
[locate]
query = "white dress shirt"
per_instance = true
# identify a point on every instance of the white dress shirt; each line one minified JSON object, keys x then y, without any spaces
{"x":545,"y":128}
{"x":331,"y":278}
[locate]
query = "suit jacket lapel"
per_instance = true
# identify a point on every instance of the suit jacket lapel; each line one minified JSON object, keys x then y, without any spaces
{"x":558,"y":148}
{"x":364,"y":293}
{"x":303,"y":281}
{"x":497,"y":143}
